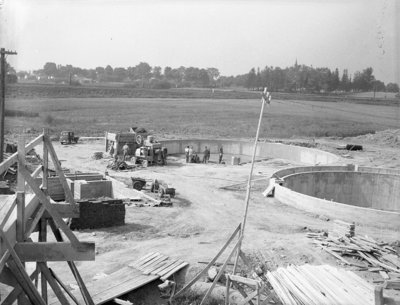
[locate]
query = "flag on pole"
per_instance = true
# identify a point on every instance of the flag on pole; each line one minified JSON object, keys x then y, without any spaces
{"x":266,"y":96}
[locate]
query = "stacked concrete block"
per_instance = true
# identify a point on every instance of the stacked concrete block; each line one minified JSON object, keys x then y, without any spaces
{"x":95,"y":214}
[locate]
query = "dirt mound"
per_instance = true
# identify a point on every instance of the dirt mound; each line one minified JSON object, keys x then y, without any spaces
{"x":389,"y":137}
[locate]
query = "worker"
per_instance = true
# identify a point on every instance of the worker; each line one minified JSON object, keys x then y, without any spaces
{"x":190,"y":153}
{"x":221,"y":154}
{"x":125,"y":150}
{"x":206,"y":155}
{"x":187,"y":153}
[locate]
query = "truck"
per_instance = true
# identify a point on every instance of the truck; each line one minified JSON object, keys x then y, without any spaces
{"x":68,"y":137}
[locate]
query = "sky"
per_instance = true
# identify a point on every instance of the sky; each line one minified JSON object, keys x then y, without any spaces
{"x":232,"y":36}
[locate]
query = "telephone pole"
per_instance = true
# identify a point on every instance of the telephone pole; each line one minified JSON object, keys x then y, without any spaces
{"x":3,"y":53}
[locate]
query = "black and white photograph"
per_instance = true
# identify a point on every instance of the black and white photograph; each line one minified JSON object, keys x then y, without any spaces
{"x":199,"y":152}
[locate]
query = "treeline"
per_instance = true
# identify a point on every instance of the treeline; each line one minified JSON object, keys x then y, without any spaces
{"x":301,"y":78}
{"x":298,"y":78}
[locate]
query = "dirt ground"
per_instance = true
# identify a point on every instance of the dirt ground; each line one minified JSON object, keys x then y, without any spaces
{"x":203,"y":215}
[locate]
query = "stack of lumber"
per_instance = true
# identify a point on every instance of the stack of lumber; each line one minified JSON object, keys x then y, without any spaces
{"x":341,"y":228}
{"x":317,"y":285}
{"x":365,"y":251}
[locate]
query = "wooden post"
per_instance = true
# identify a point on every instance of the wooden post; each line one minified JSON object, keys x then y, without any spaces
{"x":43,"y":238}
{"x":21,"y":201}
{"x":246,"y":207}
{"x":45,"y":163}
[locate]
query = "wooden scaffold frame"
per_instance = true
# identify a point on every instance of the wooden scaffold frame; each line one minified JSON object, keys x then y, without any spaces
{"x":32,"y":210}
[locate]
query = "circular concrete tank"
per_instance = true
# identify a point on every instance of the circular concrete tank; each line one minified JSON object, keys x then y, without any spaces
{"x":364,"y":195}
{"x":264,"y":150}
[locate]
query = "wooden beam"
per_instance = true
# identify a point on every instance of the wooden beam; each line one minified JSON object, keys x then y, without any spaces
{"x":14,"y":157}
{"x":210,"y":264}
{"x":13,"y":295}
{"x":37,"y":171}
{"x":53,"y":284}
{"x":244,"y":280}
{"x":43,"y":238}
{"x":54,"y":252}
{"x":64,"y":287}
{"x":23,"y":279}
{"x":235,"y":248}
{"x":65,"y":210}
{"x":46,"y":202}
{"x":68,"y":194}
{"x":34,"y":222}
{"x":85,"y":293}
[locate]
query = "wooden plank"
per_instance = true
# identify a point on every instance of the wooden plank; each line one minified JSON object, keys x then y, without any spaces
{"x":53,"y":284}
{"x":166,"y":270}
{"x":150,"y":262}
{"x":160,"y":265}
{"x":7,"y":204}
{"x":85,"y":293}
{"x":211,"y":263}
{"x":155,"y":265}
{"x":163,"y":267}
{"x":249,"y":297}
{"x":143,"y":261}
{"x":37,"y":171}
{"x":235,"y":248}
{"x":244,"y":280}
{"x":384,"y":275}
{"x":14,"y":157}
{"x":63,"y":286}
{"x":23,"y":279}
{"x":43,"y":238}
{"x":68,"y":194}
{"x":121,"y":302}
{"x":13,"y":295}
{"x":35,"y":221}
{"x":54,"y":251}
{"x":45,"y":201}
{"x":82,"y":286}
{"x":173,"y":271}
{"x":154,"y":262}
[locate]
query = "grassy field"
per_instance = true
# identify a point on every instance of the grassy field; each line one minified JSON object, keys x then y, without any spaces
{"x":200,"y":117}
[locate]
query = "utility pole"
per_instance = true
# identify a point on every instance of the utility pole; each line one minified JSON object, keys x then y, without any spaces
{"x":3,"y":53}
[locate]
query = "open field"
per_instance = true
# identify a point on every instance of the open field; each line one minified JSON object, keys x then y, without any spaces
{"x":119,"y":90}
{"x":201,"y":117}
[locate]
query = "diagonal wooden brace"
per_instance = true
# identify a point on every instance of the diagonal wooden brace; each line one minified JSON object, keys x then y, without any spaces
{"x":46,"y":202}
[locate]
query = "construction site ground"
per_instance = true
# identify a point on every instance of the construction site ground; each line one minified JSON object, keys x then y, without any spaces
{"x":203,"y":215}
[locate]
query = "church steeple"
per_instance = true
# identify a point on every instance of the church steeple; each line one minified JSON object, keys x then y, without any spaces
{"x":295,"y":64}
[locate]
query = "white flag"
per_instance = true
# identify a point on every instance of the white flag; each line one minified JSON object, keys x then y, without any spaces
{"x":266,"y":96}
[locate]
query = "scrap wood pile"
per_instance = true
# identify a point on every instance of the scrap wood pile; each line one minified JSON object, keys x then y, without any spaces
{"x":298,"y":285}
{"x":120,"y":165}
{"x":365,"y":251}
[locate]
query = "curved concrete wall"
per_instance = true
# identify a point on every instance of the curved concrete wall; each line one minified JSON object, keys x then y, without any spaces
{"x":264,"y":150}
{"x":362,"y":194}
{"x":362,"y":189}
{"x":335,"y":210}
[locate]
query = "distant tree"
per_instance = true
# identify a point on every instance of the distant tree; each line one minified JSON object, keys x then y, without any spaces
{"x":345,"y":82}
{"x":143,"y":71}
{"x":156,"y":72}
{"x":204,"y":79}
{"x":379,"y":86}
{"x":251,"y":79}
{"x":213,"y":75}
{"x":335,"y":81}
{"x":50,"y":69}
{"x":119,"y":74}
{"x":167,"y":73}
{"x":392,"y":87}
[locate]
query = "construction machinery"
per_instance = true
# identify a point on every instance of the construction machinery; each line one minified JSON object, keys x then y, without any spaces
{"x":68,"y":137}
{"x":151,"y":153}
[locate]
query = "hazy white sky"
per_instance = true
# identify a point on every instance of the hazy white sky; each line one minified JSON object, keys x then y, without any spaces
{"x":233,"y":36}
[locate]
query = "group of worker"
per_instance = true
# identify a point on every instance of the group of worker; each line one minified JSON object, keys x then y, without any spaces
{"x":192,"y":157}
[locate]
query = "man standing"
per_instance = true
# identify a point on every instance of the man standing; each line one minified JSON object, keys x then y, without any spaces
{"x":187,"y":153}
{"x":190,"y":153}
{"x":221,"y":154}
{"x":125,"y":150}
{"x":205,"y":154}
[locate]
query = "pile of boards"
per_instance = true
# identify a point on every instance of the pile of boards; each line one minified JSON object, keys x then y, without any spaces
{"x":319,"y":285}
{"x":363,"y":251}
